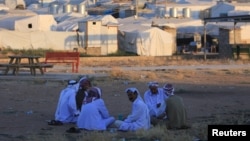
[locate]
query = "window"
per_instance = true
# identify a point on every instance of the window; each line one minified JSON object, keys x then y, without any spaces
{"x":30,"y":25}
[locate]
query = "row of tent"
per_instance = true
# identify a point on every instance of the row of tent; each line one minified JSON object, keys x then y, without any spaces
{"x":31,"y":29}
{"x":39,"y":31}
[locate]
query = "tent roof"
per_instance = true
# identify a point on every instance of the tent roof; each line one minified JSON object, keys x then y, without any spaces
{"x":241,"y":18}
{"x":104,"y":18}
{"x":70,"y":22}
{"x":21,"y":13}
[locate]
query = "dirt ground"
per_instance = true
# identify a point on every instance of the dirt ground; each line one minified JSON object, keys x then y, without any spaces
{"x":214,"y":96}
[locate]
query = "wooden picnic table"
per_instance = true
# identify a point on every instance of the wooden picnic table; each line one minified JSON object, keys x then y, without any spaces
{"x":31,"y":62}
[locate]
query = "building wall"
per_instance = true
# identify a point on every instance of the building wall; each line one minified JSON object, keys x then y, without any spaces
{"x":245,"y":38}
{"x":225,"y":50}
{"x":101,"y":40}
{"x":234,"y":36}
{"x":109,"y":40}
{"x":228,"y":39}
{"x":93,"y":34}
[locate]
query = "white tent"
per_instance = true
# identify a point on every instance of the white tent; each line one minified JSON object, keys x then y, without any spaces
{"x":12,"y":4}
{"x":71,"y":22}
{"x":150,"y":41}
{"x":24,"y":20}
{"x":36,"y":23}
{"x":38,"y":39}
{"x":3,"y":7}
{"x":8,"y":22}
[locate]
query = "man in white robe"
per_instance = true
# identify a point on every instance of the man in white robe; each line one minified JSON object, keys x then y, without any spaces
{"x":94,"y":114}
{"x":155,"y":99}
{"x":139,"y":117}
{"x":66,"y":109}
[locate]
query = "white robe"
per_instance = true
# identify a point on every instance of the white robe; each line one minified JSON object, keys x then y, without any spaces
{"x":152,"y":99}
{"x":139,"y":117}
{"x":94,"y":116}
{"x":66,"y":108}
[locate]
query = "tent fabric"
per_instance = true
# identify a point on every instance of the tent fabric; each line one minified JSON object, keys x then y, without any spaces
{"x":12,"y":4}
{"x":72,"y":22}
{"x":38,"y":23}
{"x":67,"y":16}
{"x":221,"y":8}
{"x":150,"y":42}
{"x":68,"y":25}
{"x":8,"y":22}
{"x":28,"y":23}
{"x":3,"y":7}
{"x":39,"y":39}
{"x":108,"y":19}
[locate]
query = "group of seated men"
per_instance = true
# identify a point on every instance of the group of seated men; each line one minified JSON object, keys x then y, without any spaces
{"x":82,"y":104}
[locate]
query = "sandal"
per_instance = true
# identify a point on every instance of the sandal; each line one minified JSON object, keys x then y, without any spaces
{"x":55,"y":122}
{"x":73,"y":130}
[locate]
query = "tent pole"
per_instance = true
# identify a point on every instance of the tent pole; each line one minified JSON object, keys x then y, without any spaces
{"x":205,"y":41}
{"x":234,"y":38}
{"x":234,"y":33}
{"x":136,"y":9}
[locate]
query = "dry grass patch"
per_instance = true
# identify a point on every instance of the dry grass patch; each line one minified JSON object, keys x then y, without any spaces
{"x":88,"y":72}
{"x":83,"y":136}
{"x":156,"y":133}
{"x":119,"y":73}
{"x":161,"y":133}
{"x":200,"y":130}
{"x":178,"y":76}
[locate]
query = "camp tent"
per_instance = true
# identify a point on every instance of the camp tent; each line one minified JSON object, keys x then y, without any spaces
{"x":8,"y":22}
{"x":28,"y":23}
{"x":38,"y":39}
{"x":36,"y":23}
{"x":149,"y":41}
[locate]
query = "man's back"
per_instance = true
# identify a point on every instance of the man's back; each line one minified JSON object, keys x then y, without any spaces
{"x":176,"y":112}
{"x":94,"y":116}
{"x":63,"y":112}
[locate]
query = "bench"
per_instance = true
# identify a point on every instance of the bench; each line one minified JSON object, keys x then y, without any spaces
{"x":32,"y":67}
{"x":64,"y":57}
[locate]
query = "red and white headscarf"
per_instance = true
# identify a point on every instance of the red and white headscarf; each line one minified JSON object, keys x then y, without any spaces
{"x":94,"y":93}
{"x":168,"y":89}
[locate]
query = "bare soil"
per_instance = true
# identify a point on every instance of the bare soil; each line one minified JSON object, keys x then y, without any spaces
{"x":214,"y":96}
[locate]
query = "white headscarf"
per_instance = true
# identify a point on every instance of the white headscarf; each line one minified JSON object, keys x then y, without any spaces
{"x":153,"y":83}
{"x":134,"y":90}
{"x":72,"y":84}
